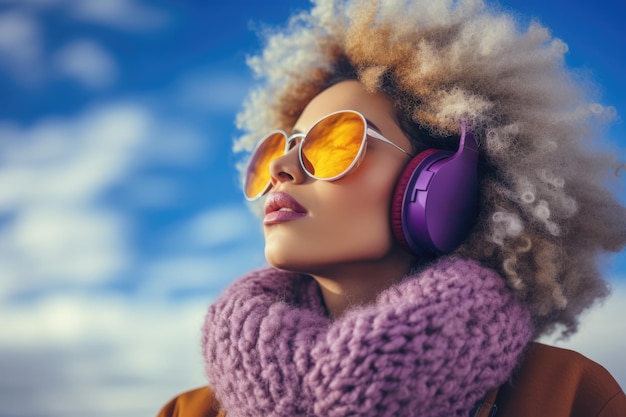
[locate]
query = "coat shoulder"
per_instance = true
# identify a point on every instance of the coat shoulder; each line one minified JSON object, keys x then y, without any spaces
{"x":559,"y":382}
{"x":199,"y":402}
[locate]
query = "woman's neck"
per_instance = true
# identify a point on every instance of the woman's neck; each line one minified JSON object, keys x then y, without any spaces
{"x":353,"y":285}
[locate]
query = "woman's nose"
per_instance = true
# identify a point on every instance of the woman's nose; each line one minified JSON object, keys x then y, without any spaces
{"x":287,"y":168}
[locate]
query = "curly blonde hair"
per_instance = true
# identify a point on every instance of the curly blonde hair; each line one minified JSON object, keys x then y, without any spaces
{"x":546,"y":214}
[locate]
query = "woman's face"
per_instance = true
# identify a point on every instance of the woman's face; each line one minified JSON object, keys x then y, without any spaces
{"x":344,"y":223}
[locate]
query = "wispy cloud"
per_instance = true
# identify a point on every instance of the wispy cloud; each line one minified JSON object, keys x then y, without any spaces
{"x":218,"y":226}
{"x":70,"y":161}
{"x":213,"y":92}
{"x":198,"y":275}
{"x":99,"y":356}
{"x":87,"y":62}
{"x":52,"y":176}
{"x":204,"y":253}
{"x":129,"y":15}
{"x":21,"y":46}
{"x":119,"y":14}
{"x":34,"y":3}
{"x":55,"y":225}
{"x":26,"y":57}
{"x":44,"y":247}
{"x":153,"y":191}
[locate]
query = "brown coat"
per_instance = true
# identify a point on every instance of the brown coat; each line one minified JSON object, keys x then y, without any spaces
{"x":199,"y":402}
{"x":558,"y":382}
{"x":551,"y":382}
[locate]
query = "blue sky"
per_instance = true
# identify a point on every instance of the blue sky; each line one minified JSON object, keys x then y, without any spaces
{"x":120,"y":217}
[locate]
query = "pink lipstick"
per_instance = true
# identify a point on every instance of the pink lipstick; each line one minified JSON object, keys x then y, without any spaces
{"x":281,"y":207}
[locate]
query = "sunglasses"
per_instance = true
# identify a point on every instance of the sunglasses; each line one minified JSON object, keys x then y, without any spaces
{"x":330,"y":149}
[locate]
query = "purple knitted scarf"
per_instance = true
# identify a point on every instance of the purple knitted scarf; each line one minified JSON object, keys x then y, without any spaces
{"x":431,"y":345}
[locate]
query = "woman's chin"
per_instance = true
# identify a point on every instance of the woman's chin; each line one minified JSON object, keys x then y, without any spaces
{"x":278,"y":258}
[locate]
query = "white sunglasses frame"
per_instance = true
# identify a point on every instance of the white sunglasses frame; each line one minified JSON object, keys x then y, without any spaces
{"x":368,"y":132}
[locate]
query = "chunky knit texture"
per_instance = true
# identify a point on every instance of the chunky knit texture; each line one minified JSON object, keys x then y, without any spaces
{"x":431,"y":345}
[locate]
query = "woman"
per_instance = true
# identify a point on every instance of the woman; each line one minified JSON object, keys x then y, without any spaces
{"x":425,"y":217}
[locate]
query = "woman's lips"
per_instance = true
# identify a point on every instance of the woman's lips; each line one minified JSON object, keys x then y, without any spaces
{"x":281,"y":207}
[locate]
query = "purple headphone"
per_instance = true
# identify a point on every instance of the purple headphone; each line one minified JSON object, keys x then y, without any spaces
{"x":435,"y":202}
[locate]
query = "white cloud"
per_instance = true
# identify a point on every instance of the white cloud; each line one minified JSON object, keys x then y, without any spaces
{"x":153,"y":191}
{"x":218,"y":226}
{"x":120,"y":14}
{"x":215,"y":92}
{"x":87,"y":62}
{"x":175,"y":144}
{"x":55,"y":175}
{"x":20,"y":45}
{"x":71,"y":161}
{"x":205,"y":253}
{"x":105,"y":356}
{"x":199,"y":274}
{"x":47,"y":246}
{"x":52,"y":176}
{"x":35,"y":3}
{"x":22,"y":39}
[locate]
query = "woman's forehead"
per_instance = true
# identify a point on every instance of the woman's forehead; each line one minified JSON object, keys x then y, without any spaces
{"x":352,"y":95}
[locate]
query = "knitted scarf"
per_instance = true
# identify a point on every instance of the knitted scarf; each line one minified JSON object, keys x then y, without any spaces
{"x":430,"y":345}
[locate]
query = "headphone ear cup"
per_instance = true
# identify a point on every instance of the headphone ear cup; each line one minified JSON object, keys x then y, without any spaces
{"x":410,"y":173}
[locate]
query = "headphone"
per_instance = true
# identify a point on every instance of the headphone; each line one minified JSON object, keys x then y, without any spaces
{"x":435,"y":202}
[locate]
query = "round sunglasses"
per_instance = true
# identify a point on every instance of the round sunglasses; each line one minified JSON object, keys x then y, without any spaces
{"x":330,"y":149}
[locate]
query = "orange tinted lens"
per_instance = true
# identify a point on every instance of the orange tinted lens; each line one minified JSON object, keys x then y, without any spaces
{"x":258,"y":173}
{"x":333,"y":144}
